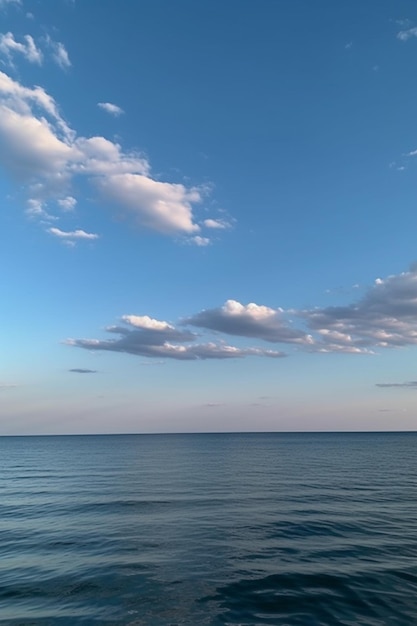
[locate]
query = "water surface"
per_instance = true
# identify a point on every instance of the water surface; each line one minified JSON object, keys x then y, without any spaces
{"x":239,"y":529}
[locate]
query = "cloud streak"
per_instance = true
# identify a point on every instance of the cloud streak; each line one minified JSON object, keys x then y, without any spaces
{"x":113,"y":109}
{"x":59,"y":53}
{"x":216,"y":224}
{"x":72,"y":235}
{"x":412,"y":384}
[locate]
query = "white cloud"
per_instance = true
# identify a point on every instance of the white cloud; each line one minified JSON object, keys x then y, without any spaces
{"x":67,"y":204}
{"x":113,"y":109}
{"x":200,"y":241}
{"x":9,"y":46}
{"x":35,"y":209}
{"x":216,"y":224}
{"x":29,"y":148}
{"x":39,"y":149}
{"x":35,"y":103}
{"x":71,"y":235}
{"x":163,"y":207}
{"x":31,"y":52}
{"x":405,"y":35}
{"x":99,"y":156}
{"x":144,"y":321}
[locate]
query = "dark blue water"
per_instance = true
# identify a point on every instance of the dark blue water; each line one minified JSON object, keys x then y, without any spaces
{"x":249,"y":529}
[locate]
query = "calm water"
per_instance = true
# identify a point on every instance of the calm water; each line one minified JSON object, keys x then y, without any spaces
{"x":164,"y":530}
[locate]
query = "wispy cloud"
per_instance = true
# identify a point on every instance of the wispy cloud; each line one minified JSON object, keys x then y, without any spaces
{"x":68,"y":203}
{"x":113,"y":109}
{"x":80,"y":370}
{"x":36,"y":209}
{"x":28,"y":49}
{"x":202,"y":242}
{"x":405,"y":35}
{"x":5,"y":3}
{"x":7,"y":386}
{"x":59,"y":53}
{"x":34,"y":52}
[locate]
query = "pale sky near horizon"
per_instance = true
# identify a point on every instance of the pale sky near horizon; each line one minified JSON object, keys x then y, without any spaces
{"x":208,"y":215}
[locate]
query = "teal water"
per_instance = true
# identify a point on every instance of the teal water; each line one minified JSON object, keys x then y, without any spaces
{"x":242,"y":529}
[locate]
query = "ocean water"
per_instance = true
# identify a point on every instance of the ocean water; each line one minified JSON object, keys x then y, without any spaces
{"x":242,"y":529}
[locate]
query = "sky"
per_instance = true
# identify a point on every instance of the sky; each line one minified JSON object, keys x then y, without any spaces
{"x":208,"y":216}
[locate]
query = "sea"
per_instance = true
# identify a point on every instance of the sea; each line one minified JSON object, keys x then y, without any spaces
{"x":311,"y":529}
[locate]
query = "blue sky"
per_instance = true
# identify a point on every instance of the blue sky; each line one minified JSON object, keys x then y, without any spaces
{"x":208,"y":216}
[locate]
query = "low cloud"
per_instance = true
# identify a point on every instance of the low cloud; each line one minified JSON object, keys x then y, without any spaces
{"x":412,"y":384}
{"x":251,"y":320}
{"x":212,"y":405}
{"x":113,"y":109}
{"x":147,"y":337}
{"x":7,"y":386}
{"x":79,"y":370}
{"x":384,"y":318}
